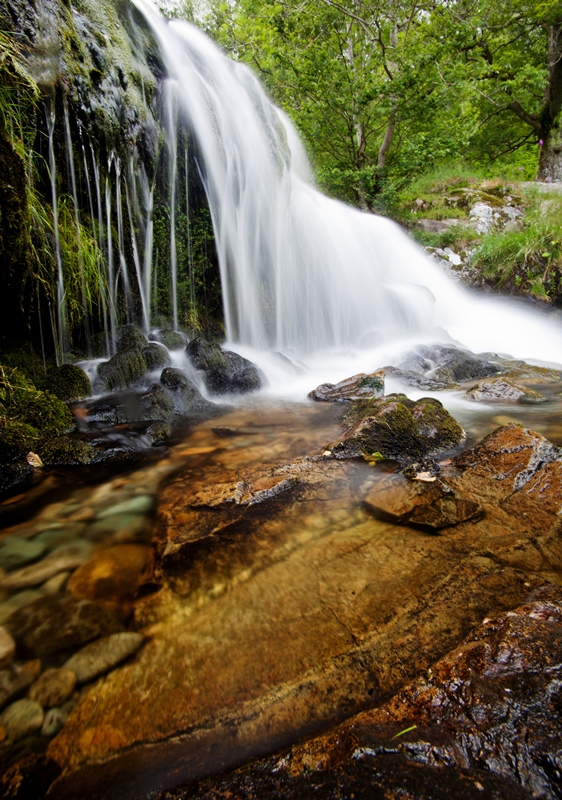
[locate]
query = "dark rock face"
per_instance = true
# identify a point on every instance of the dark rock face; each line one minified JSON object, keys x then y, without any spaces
{"x":398,"y":427}
{"x":173,"y":340}
{"x":130,"y":338}
{"x":223,"y":370}
{"x":14,"y":476}
{"x":432,"y":504}
{"x":124,"y":369}
{"x":188,"y":400}
{"x":358,"y":387}
{"x":484,"y":721}
{"x":439,"y":367}
{"x":59,"y":623}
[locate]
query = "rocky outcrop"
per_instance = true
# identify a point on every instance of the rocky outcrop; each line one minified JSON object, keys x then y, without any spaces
{"x":358,"y":387}
{"x":397,"y":427}
{"x":223,"y":371}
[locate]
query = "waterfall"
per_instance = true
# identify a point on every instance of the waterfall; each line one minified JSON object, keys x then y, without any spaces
{"x":302,"y":273}
{"x":61,"y":327}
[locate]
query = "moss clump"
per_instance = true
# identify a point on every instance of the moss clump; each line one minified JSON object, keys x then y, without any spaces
{"x":68,"y":383}
{"x":21,"y":401}
{"x":65,"y":452}
{"x":173,"y":340}
{"x":16,"y":440}
{"x":131,"y":338}
{"x":124,"y":369}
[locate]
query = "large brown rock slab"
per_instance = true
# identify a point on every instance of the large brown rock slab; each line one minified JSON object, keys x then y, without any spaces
{"x":483,"y":721}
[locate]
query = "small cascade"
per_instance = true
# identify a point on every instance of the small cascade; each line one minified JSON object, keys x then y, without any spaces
{"x":172,"y":144}
{"x":61,"y":327}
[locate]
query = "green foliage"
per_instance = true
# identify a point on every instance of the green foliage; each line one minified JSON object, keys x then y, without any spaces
{"x":18,"y":97}
{"x":527,"y":261}
{"x":22,"y":402}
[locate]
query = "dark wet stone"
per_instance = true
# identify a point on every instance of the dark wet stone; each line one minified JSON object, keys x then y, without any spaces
{"x":14,"y":476}
{"x":187,"y":398}
{"x":158,"y":432}
{"x":397,"y":427}
{"x":358,"y":387}
{"x":173,"y":340}
{"x":15,"y":681}
{"x":224,"y":371}
{"x":452,"y":365}
{"x":59,"y":623}
{"x":430,"y":504}
{"x":155,"y":356}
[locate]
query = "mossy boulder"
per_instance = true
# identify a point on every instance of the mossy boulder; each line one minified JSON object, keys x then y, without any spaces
{"x":130,"y":338}
{"x":188,"y":400}
{"x":21,"y":402}
{"x":155,"y":356}
{"x":399,"y":428}
{"x":16,"y":440}
{"x":68,"y":382}
{"x":157,"y":404}
{"x":124,"y":369}
{"x":224,"y":371}
{"x":63,"y":451}
{"x":173,"y":340}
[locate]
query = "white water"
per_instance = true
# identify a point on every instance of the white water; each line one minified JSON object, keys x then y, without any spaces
{"x":333,"y":288}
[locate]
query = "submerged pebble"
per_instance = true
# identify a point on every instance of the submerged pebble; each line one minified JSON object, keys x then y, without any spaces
{"x":53,"y":687}
{"x":16,"y":601}
{"x":18,"y":552}
{"x":22,"y":718}
{"x":7,"y":648}
{"x":54,"y":722}
{"x":126,"y":526}
{"x":101,"y":656}
{"x":140,"y":504}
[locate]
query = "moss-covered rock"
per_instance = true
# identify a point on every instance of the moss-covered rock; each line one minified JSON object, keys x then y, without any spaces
{"x":131,"y":338}
{"x":68,"y":382}
{"x":155,"y":356}
{"x":21,"y":402}
{"x":399,"y":428}
{"x":173,"y":340}
{"x":124,"y":369}
{"x":188,"y":400}
{"x":16,"y":440}
{"x":157,"y":404}
{"x":65,"y":452}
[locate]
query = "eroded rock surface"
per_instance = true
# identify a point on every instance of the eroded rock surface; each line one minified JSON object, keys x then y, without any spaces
{"x":358,"y":387}
{"x":504,"y":390}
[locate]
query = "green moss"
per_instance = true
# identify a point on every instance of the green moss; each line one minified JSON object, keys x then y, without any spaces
{"x":16,"y":440}
{"x":124,"y":369}
{"x":66,"y":452}
{"x":68,"y":383}
{"x":21,"y":402}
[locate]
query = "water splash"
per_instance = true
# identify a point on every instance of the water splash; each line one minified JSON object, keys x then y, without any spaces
{"x":303,"y":274}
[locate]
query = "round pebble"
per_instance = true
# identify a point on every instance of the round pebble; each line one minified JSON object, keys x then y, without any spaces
{"x":135,"y":505}
{"x":126,"y":525}
{"x":18,"y":552}
{"x":53,"y":687}
{"x":54,"y":722}
{"x":7,"y":648}
{"x":101,"y":656}
{"x":22,"y":718}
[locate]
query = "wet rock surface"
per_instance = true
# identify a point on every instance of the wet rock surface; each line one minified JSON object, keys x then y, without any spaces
{"x":504,"y":390}
{"x":358,"y":387}
{"x":484,"y":721}
{"x":223,"y":370}
{"x":99,"y":657}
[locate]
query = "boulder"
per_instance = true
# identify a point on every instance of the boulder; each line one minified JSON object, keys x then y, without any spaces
{"x":397,"y":427}
{"x":504,"y":390}
{"x":224,"y":371}
{"x":444,"y":366}
{"x":124,"y":369}
{"x":130,"y":338}
{"x":430,"y":505}
{"x":156,"y":356}
{"x":59,"y":622}
{"x":62,"y":451}
{"x":173,"y":340}
{"x":188,"y":400}
{"x":358,"y":387}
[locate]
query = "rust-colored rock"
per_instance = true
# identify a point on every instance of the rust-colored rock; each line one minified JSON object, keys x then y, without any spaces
{"x":112,"y":577}
{"x":431,"y":505}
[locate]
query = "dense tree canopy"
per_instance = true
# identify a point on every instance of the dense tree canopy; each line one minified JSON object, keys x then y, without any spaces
{"x":385,"y":89}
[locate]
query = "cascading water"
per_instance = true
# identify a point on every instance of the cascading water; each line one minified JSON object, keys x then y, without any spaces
{"x":304,"y":274}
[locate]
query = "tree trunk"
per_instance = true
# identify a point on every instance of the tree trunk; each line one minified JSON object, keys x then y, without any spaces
{"x":550,"y":159}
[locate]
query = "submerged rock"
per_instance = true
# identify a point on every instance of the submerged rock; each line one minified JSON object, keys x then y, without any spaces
{"x":7,"y":648}
{"x":57,"y":623}
{"x":397,"y":427}
{"x":504,"y":390}
{"x":22,"y":718}
{"x":433,"y":505}
{"x":358,"y":387}
{"x":53,"y":687}
{"x":99,"y":657}
{"x":18,"y":552}
{"x":15,"y":681}
{"x":223,"y":370}
{"x":54,"y":722}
